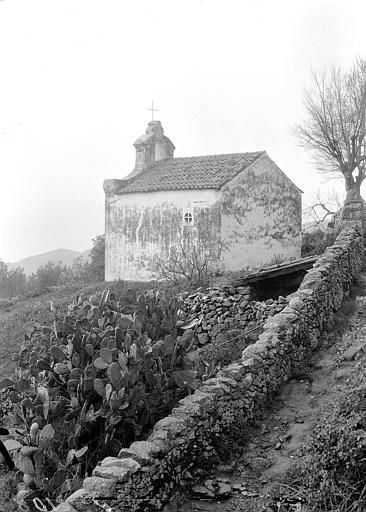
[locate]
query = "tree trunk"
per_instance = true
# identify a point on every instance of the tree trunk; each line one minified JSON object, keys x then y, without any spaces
{"x":352,"y":189}
{"x":353,"y":213}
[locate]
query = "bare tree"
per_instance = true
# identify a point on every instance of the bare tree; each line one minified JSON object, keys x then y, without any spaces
{"x":334,"y":126}
{"x":322,"y":209}
{"x":191,"y":263}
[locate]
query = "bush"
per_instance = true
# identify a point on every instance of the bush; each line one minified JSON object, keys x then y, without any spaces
{"x":333,"y":477}
{"x":91,"y":270}
{"x":97,"y":259}
{"x":8,"y":490}
{"x":316,"y":242}
{"x":187,"y":265}
{"x":277,"y":259}
{"x":12,"y":282}
{"x":51,"y":274}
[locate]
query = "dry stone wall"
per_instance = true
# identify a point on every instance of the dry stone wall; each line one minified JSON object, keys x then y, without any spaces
{"x":227,"y":319}
{"x":144,"y":475}
{"x":225,"y":308}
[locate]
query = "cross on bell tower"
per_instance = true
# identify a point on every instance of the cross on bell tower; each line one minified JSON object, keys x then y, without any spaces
{"x":152,"y":110}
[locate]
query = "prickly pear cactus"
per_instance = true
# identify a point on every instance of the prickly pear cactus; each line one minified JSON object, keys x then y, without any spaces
{"x":95,"y":381}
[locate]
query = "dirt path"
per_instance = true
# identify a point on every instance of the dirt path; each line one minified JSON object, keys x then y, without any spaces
{"x":279,"y":440}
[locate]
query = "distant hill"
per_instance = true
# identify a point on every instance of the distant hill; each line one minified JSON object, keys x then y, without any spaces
{"x":32,"y":263}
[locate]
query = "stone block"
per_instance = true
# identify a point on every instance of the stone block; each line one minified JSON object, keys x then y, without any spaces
{"x":203,"y":400}
{"x":82,"y":501}
{"x":112,"y":472}
{"x":64,"y":507}
{"x":254,"y":350}
{"x":116,"y":469}
{"x":234,"y":371}
{"x":352,"y":351}
{"x":341,"y":374}
{"x":171,"y":424}
{"x":305,"y":292}
{"x":296,"y":303}
{"x":226,"y":381}
{"x":203,"y":338}
{"x":250,"y":362}
{"x":187,"y":409}
{"x":215,"y":389}
{"x":314,"y":341}
{"x":163,"y":440}
{"x":102,"y":487}
{"x":129,"y":464}
{"x":142,"y":452}
{"x":248,"y":380}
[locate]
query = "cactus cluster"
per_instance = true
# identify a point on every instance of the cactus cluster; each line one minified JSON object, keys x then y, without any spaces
{"x":94,"y":382}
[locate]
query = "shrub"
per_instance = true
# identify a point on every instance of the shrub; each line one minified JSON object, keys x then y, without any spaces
{"x":12,"y":282}
{"x":277,"y":259}
{"x":51,"y":274}
{"x":80,"y":270}
{"x":316,"y":242}
{"x":93,"y":269}
{"x":187,"y":264}
{"x":333,"y":478}
{"x":97,"y":259}
{"x":8,"y":490}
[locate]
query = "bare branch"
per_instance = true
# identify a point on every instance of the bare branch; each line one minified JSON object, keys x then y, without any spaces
{"x":188,"y":262}
{"x":322,"y":208}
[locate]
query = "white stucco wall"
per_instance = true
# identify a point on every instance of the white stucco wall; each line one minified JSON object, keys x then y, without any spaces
{"x":140,"y":226}
{"x":261,"y":217}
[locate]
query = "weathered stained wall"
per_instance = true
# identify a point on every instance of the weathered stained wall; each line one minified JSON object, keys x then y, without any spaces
{"x":253,"y":219}
{"x":141,"y":226}
{"x":261,"y":217}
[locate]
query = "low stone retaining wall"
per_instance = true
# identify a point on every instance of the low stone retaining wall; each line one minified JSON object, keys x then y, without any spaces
{"x":229,"y":320}
{"x":227,"y":307}
{"x":143,"y":476}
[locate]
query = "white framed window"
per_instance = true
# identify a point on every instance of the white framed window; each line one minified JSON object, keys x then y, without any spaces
{"x":188,"y":219}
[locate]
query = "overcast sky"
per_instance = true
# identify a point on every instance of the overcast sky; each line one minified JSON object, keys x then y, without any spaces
{"x":77,"y":77}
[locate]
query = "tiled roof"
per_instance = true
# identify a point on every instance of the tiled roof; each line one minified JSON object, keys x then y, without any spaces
{"x":196,"y":172}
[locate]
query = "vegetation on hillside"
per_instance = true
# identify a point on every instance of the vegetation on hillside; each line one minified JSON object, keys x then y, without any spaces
{"x":93,"y":269}
{"x":35,"y":307}
{"x":332,"y":476}
{"x":315,"y":242}
{"x":94,"y":381}
{"x":14,"y":283}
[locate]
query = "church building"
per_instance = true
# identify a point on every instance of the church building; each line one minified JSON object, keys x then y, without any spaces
{"x":240,"y":207}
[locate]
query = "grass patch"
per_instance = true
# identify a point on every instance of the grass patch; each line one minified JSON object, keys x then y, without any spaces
{"x":348,"y":308}
{"x":8,"y":489}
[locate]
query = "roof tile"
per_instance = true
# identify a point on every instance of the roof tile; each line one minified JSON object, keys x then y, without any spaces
{"x":196,"y":172}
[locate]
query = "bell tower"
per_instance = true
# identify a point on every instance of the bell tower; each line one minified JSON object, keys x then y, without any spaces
{"x":151,"y":147}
